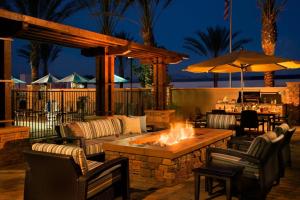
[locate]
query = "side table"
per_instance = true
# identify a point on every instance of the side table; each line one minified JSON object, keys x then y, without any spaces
{"x":220,"y":172}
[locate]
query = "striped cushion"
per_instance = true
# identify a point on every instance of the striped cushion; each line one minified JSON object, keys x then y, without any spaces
{"x":102,"y":127}
{"x":76,"y":152}
{"x":93,"y":164}
{"x":250,"y":170}
{"x":104,"y":180}
{"x":86,"y":129}
{"x":93,"y":146}
{"x":259,"y":146}
{"x":117,"y":125}
{"x":220,"y":121}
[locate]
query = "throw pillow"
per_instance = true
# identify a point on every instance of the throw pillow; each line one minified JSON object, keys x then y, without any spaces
{"x":75,"y":130}
{"x":142,"y":122}
{"x":132,"y":125}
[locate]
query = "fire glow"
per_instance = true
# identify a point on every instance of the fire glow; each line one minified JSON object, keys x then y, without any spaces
{"x":178,"y":132}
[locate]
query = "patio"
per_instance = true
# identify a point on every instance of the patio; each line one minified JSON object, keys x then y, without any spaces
{"x":12,"y":183}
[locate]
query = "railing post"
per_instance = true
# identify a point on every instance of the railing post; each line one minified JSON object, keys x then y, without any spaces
{"x":62,"y":107}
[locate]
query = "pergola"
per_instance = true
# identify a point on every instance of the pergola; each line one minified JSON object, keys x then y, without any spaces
{"x":103,"y":47}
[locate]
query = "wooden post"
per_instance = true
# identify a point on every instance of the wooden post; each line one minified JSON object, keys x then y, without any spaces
{"x":5,"y":85}
{"x":105,"y":84}
{"x":159,"y":84}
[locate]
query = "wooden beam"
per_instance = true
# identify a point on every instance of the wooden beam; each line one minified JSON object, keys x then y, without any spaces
{"x":93,"y":52}
{"x":119,"y":50}
{"x":105,"y":84}
{"x":5,"y":86}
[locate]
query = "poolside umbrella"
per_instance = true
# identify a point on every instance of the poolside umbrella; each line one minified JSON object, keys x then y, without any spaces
{"x":46,"y":79}
{"x":74,"y":78}
{"x":243,"y":61}
{"x":117,"y":79}
{"x":15,"y":80}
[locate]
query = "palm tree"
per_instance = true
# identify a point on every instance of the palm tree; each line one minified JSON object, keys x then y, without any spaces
{"x":121,"y":59}
{"x":213,"y":43}
{"x":52,"y":10}
{"x":270,"y":10}
{"x":106,"y":12}
{"x":48,"y":53}
{"x":149,"y":14}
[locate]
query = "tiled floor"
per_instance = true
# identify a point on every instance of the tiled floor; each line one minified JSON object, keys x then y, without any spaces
{"x":12,"y":181}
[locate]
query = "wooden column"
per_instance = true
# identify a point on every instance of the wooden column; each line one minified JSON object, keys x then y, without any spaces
{"x":105,"y":65}
{"x":5,"y":83}
{"x":159,"y":84}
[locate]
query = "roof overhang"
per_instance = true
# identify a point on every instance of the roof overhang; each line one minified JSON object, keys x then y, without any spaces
{"x":25,"y":27}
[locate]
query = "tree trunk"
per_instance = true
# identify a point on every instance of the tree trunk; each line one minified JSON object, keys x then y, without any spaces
{"x":34,"y":61}
{"x":268,"y":43}
{"x":216,"y":77}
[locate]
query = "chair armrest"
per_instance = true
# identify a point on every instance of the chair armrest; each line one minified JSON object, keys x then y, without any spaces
{"x":107,"y":165}
{"x":230,"y":152}
{"x":240,"y":142}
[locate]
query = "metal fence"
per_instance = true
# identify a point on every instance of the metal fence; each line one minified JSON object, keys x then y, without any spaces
{"x":43,"y":110}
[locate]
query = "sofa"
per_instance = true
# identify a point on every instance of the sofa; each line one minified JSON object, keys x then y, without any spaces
{"x":90,"y":135}
{"x":62,"y":172}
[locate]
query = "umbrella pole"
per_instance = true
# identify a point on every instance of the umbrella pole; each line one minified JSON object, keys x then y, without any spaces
{"x":242,"y":87}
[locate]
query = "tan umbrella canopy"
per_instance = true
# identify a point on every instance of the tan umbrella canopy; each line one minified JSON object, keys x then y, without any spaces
{"x":243,"y":61}
{"x":247,"y":61}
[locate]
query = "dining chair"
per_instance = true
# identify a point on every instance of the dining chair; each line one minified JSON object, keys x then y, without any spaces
{"x":249,"y":121}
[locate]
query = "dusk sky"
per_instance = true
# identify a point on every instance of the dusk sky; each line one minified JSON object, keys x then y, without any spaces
{"x":183,"y":18}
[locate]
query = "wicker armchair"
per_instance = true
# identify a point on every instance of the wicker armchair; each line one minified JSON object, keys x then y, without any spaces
{"x":52,"y":175}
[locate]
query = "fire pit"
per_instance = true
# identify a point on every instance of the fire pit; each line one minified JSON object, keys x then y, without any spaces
{"x":166,"y":156}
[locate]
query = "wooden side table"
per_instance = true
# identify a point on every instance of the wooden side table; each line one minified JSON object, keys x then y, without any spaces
{"x":209,"y":171}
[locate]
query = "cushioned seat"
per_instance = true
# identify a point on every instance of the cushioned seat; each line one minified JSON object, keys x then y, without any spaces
{"x":62,"y":172}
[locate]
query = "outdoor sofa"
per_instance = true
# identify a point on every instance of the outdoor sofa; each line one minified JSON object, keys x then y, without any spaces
{"x":90,"y":135}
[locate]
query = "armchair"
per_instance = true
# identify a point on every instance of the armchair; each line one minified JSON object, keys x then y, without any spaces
{"x":260,"y":162}
{"x":62,"y":172}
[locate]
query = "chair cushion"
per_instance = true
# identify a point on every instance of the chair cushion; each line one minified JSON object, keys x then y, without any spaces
{"x":103,"y":127}
{"x":220,"y":121}
{"x":250,"y":170}
{"x":81,"y":129}
{"x":259,"y":146}
{"x":76,"y":152}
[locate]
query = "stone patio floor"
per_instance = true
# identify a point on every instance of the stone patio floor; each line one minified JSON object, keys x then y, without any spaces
{"x":12,"y":183}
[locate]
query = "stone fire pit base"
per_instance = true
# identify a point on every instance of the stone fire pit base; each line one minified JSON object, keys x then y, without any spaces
{"x":166,"y":170}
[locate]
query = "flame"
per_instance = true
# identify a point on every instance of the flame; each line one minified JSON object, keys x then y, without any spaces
{"x":178,"y":132}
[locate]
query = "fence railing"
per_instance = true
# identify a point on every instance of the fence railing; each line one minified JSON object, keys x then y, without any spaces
{"x":43,"y":110}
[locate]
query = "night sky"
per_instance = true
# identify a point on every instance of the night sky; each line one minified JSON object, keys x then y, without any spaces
{"x":178,"y":21}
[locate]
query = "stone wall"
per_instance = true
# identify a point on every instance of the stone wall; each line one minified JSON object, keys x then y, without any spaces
{"x":161,"y":170}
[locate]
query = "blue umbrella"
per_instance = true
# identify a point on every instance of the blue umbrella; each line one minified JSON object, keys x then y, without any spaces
{"x":117,"y":79}
{"x":46,"y":79}
{"x":15,"y":80}
{"x":74,"y":78}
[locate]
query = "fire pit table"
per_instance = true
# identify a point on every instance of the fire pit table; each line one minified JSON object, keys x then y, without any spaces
{"x":150,"y":160}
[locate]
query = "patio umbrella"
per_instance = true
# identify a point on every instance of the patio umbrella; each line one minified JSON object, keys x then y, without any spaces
{"x":243,"y":61}
{"x":117,"y":79}
{"x":46,"y":79}
{"x":15,"y":80}
{"x":73,"y":78}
